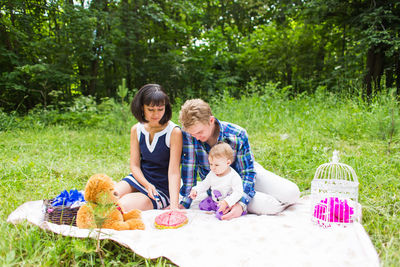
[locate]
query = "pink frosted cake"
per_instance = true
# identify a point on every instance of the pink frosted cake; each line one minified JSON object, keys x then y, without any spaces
{"x":170,"y":220}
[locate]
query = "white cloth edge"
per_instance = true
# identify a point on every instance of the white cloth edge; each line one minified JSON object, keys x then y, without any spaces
{"x":29,"y":211}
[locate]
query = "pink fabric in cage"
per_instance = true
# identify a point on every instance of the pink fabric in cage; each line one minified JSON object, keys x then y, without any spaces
{"x":336,"y":211}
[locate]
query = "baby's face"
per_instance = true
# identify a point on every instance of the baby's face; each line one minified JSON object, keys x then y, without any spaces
{"x":219,"y":165}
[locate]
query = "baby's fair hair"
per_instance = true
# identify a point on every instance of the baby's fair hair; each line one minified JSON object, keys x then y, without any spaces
{"x":193,"y":111}
{"x":221,"y":150}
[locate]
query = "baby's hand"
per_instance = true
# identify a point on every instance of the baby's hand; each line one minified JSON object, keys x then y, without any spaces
{"x":193,"y":194}
{"x":223,"y":206}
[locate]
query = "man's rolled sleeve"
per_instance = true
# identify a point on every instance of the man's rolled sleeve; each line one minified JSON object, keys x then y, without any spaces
{"x":188,"y":169}
{"x":245,"y":161}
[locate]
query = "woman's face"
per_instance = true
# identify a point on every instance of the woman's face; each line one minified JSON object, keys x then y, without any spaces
{"x":153,"y":114}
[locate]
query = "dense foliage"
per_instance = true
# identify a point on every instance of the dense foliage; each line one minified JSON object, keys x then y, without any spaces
{"x":54,"y":50}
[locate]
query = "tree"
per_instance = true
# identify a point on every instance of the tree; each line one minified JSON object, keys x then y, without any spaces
{"x":371,"y":27}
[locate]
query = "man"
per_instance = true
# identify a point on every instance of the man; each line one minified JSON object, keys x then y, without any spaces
{"x":269,"y":194}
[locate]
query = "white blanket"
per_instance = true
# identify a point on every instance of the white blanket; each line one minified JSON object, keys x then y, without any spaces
{"x":289,"y":239}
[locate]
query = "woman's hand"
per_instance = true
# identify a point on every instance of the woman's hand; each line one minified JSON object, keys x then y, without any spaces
{"x":180,"y":208}
{"x":151,"y":191}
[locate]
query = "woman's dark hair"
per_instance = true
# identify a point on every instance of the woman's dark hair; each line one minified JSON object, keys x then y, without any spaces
{"x":151,"y":95}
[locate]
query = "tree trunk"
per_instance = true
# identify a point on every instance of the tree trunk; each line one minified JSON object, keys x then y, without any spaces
{"x":389,"y":77}
{"x":127,"y":47}
{"x":397,"y":71}
{"x":94,"y":70}
{"x":375,"y":63}
{"x":288,"y":74}
{"x":83,"y":79}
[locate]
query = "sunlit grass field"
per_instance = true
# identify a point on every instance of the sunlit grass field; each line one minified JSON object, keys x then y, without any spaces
{"x":44,"y":153}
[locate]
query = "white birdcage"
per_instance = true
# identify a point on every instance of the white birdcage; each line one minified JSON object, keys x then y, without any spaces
{"x":334,"y":194}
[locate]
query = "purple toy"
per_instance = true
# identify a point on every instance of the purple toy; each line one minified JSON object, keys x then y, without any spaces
{"x":217,"y":194}
{"x":209,"y":204}
{"x":219,"y":214}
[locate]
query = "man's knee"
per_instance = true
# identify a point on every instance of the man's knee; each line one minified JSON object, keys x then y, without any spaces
{"x":290,"y":194}
{"x":263,"y":204}
{"x":270,"y":183}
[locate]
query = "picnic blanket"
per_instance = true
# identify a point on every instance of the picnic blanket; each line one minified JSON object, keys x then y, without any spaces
{"x":288,"y":239}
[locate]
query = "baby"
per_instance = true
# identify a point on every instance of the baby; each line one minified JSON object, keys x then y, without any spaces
{"x":225,"y":183}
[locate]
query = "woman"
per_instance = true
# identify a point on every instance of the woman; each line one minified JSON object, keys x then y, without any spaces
{"x":155,"y":154}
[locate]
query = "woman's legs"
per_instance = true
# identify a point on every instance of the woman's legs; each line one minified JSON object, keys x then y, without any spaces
{"x":135,"y":200}
{"x":130,"y":198}
{"x":273,"y":193}
{"x":122,"y":188}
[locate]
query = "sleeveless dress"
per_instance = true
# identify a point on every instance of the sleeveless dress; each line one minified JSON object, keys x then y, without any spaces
{"x":154,"y":162}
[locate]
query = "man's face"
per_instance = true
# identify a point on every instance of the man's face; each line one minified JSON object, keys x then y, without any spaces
{"x":200,"y":131}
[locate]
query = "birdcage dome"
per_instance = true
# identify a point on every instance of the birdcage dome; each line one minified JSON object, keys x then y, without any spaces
{"x":334,"y":194}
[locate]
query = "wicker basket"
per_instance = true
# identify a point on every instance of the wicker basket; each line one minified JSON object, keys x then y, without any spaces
{"x":59,"y":214}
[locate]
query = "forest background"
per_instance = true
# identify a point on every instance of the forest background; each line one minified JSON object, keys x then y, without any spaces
{"x":52,"y":51}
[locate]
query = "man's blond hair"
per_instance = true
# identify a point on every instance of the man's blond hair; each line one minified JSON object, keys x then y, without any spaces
{"x":221,"y":150}
{"x":193,"y":111}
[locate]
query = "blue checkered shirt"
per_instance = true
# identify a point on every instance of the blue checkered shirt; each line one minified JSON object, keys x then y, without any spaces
{"x":195,"y":160}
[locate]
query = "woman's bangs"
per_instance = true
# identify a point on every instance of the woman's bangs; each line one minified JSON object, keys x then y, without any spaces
{"x":157,"y":99}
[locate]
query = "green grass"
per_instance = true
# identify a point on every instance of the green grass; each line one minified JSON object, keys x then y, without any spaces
{"x":44,"y":153}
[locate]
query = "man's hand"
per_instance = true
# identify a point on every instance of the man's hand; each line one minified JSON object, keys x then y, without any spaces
{"x":223,"y":206}
{"x":193,"y":194}
{"x":235,"y":211}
